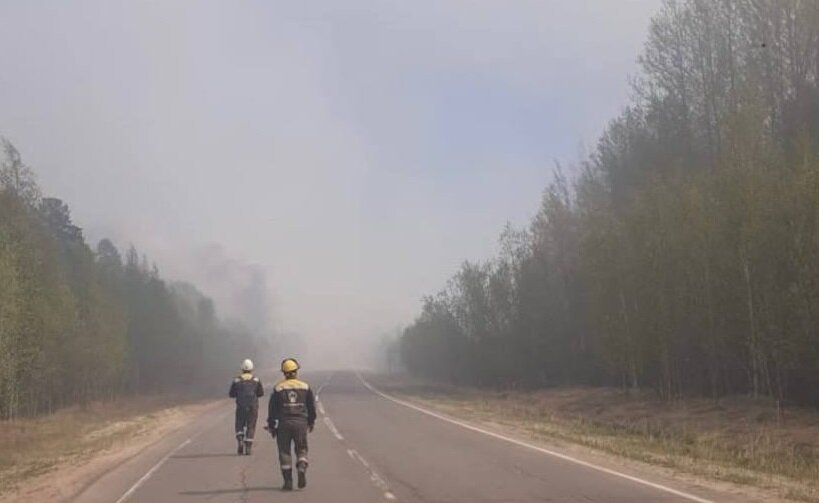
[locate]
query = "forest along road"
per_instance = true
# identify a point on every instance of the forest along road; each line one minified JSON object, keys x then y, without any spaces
{"x":370,"y":447}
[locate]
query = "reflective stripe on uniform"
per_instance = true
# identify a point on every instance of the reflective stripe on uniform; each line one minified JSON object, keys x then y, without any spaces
{"x":291,"y":384}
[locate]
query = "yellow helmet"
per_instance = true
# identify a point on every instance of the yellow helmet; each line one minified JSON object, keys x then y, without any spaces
{"x":289,"y":365}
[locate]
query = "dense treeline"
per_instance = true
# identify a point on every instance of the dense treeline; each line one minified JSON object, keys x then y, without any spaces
{"x":683,"y":253}
{"x":79,"y":325}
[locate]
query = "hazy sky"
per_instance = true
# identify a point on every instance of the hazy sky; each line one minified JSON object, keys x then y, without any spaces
{"x":317,"y":166}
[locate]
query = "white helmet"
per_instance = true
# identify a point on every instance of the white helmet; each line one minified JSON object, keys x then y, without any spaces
{"x":247,"y":365}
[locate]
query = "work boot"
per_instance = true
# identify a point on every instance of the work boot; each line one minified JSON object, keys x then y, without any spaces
{"x":302,"y":479}
{"x":241,"y":449}
{"x":288,"y":480}
{"x":248,"y":445}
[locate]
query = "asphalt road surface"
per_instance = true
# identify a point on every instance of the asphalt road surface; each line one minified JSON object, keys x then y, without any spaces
{"x":369,"y":447}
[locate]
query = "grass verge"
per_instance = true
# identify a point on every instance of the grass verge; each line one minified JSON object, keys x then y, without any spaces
{"x":744,"y":442}
{"x":42,"y":448}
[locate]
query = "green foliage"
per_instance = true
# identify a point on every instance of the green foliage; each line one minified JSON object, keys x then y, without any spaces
{"x":684,"y":254}
{"x":77,"y":325}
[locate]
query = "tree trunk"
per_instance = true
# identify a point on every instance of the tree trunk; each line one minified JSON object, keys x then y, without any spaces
{"x":753,"y":344}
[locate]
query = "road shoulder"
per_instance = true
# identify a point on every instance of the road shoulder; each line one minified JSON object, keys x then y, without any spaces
{"x":74,"y":449}
{"x":486,"y":412}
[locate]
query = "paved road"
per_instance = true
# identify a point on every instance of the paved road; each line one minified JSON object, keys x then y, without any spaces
{"x":369,"y":448}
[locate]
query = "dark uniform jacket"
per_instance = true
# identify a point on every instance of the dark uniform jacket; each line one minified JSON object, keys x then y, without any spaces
{"x":246,"y":389}
{"x":291,"y":400}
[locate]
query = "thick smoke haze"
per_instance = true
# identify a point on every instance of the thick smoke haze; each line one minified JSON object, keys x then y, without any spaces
{"x":315,"y":167}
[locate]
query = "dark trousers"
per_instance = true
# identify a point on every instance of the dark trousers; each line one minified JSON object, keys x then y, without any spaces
{"x":292,"y":433}
{"x":246,"y":418}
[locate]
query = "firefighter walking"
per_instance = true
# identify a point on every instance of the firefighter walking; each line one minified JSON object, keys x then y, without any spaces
{"x":291,"y":414}
{"x":246,"y":389}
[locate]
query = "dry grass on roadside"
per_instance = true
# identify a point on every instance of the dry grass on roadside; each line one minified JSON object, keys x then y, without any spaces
{"x":734,"y":440}
{"x":35,"y":446}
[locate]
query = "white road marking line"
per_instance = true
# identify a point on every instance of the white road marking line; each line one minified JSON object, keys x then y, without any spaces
{"x":332,"y":428}
{"x":318,"y":391}
{"x":162,"y":461}
{"x":325,"y":383}
{"x":534,"y":447}
{"x":150,"y":472}
{"x":377,"y":480}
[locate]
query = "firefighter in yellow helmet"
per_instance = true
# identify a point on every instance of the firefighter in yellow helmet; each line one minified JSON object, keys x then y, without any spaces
{"x":291,"y":414}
